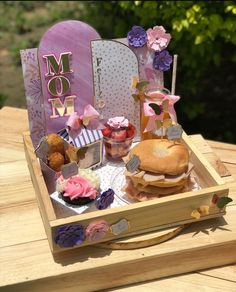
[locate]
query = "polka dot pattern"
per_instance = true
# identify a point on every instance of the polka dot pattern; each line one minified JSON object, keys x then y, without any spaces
{"x":114,"y":66}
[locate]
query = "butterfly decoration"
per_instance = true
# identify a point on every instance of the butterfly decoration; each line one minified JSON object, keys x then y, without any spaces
{"x":220,"y":202}
{"x":201,"y":211}
{"x":158,"y":114}
{"x":139,"y":86}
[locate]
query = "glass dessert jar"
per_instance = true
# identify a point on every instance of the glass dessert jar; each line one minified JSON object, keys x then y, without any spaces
{"x":118,"y":136}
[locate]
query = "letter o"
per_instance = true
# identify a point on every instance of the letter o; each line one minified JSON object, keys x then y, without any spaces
{"x":58,"y":85}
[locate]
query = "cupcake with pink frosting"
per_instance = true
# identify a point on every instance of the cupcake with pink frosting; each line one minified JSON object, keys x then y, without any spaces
{"x":79,"y":189}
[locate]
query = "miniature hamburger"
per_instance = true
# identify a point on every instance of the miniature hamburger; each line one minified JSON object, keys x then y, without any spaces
{"x":163,"y":169}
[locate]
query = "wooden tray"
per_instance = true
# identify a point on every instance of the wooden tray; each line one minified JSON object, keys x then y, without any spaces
{"x":143,"y":216}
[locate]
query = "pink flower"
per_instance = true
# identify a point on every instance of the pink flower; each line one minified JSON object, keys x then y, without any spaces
{"x":79,"y":187}
{"x":118,"y":122}
{"x":158,"y":39}
{"x":96,"y":230}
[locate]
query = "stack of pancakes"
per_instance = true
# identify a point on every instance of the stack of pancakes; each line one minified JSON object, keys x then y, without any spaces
{"x":164,"y":169}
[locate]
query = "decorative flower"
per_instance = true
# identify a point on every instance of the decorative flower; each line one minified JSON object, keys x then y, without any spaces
{"x":79,"y":187}
{"x":137,"y":37}
{"x":96,"y":230}
{"x":105,"y":199}
{"x":118,"y":122}
{"x":70,"y":235}
{"x":34,"y":91}
{"x":162,"y":61}
{"x":157,"y":38}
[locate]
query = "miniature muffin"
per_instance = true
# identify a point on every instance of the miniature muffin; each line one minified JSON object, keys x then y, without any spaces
{"x":55,"y":143}
{"x":80,"y":189}
{"x":55,"y":161}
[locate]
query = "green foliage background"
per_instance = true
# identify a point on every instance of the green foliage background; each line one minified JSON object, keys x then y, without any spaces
{"x":203,"y":35}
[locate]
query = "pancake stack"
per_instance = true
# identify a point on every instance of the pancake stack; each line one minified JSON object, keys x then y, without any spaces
{"x":164,"y":169}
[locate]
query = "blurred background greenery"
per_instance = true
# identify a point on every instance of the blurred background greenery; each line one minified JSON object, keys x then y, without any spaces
{"x":203,"y":35}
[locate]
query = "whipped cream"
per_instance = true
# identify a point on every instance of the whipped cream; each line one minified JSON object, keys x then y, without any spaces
{"x":118,"y":122}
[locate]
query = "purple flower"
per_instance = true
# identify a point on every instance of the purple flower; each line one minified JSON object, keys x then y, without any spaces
{"x":34,"y":91}
{"x":137,"y":37}
{"x":162,"y":60}
{"x":105,"y":199}
{"x":70,"y":235}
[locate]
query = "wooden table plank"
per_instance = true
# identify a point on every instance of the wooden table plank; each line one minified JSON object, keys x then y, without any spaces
{"x":204,"y":241}
{"x":225,"y":272}
{"x":13,"y":121}
{"x":193,"y":282}
{"x":12,"y":154}
{"x":15,"y":184}
{"x":21,"y":224}
{"x":226,"y":152}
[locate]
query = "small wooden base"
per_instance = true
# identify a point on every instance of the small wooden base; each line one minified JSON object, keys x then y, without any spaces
{"x":135,"y":243}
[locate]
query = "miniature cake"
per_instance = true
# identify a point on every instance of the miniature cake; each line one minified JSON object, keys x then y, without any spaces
{"x":163,"y":169}
{"x":79,"y":189}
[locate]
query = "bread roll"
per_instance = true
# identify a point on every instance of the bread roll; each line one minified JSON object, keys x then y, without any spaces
{"x":162,"y":156}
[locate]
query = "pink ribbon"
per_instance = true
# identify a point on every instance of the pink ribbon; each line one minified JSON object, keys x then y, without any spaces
{"x":90,"y":120}
{"x":153,"y":117}
{"x":172,"y":100}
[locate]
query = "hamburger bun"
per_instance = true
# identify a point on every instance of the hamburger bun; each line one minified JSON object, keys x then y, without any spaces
{"x":162,"y":156}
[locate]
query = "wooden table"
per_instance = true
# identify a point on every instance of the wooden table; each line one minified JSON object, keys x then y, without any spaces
{"x":27,"y":264}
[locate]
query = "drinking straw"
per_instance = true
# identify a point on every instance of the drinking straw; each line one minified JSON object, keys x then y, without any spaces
{"x":174,"y":75}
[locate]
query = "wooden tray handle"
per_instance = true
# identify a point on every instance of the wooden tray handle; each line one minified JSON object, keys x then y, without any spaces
{"x":143,"y":243}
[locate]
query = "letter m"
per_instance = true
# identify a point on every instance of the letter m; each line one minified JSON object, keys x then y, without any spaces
{"x":57,"y":67}
{"x":60,"y":109}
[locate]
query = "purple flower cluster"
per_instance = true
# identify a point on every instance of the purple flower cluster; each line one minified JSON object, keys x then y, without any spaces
{"x":105,"y":200}
{"x":70,"y":235}
{"x":137,"y":37}
{"x":162,"y":60}
{"x":156,"y":40}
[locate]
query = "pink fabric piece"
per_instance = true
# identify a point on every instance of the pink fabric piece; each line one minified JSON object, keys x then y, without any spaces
{"x":79,"y":187}
{"x":73,"y":122}
{"x":172,"y":100}
{"x":149,"y":112}
{"x":157,"y":38}
{"x":90,"y":119}
{"x":89,"y":113}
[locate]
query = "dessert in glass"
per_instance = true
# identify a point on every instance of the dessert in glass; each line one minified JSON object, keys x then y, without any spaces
{"x":118,"y":136}
{"x":155,"y":95}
